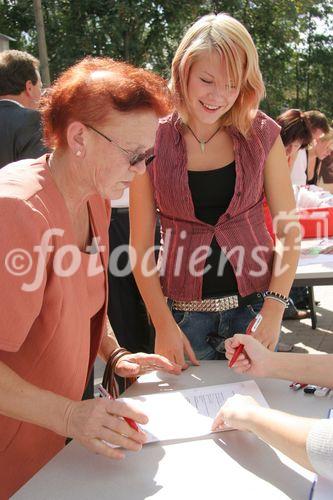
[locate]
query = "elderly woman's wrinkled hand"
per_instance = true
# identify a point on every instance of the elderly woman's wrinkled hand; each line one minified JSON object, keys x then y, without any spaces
{"x":98,"y":424}
{"x":133,"y":365}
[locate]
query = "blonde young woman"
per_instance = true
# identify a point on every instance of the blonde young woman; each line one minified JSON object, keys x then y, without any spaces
{"x":216,"y":155}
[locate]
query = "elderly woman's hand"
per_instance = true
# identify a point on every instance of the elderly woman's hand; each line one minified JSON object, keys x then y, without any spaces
{"x":96,"y":422}
{"x":133,"y":365}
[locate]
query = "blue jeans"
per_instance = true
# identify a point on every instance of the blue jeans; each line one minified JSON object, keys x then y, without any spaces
{"x":207,"y":331}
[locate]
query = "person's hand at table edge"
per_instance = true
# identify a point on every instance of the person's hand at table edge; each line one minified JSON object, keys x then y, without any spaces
{"x":174,"y":345}
{"x":133,"y":365}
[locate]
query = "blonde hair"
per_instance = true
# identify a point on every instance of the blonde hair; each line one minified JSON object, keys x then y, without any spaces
{"x":230,"y":39}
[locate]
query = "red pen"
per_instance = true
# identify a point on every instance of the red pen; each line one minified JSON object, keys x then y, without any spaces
{"x":252,"y":327}
{"x":296,"y":386}
{"x":105,"y":394}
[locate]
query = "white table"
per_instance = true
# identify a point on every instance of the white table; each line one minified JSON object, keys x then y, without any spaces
{"x":192,"y":469}
{"x":313,"y":275}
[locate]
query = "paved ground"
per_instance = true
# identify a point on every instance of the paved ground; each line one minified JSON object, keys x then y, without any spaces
{"x":300,"y":333}
{"x":297,"y":333}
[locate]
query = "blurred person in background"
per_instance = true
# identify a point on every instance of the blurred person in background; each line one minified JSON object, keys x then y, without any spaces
{"x":326,"y":173}
{"x":20,"y":92}
{"x":320,"y":150}
{"x":319,"y":125}
{"x":295,"y":133}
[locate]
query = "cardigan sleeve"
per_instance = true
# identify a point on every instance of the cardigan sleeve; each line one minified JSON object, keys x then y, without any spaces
{"x":319,"y":447}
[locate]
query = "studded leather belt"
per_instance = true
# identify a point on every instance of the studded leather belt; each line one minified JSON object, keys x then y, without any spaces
{"x":215,"y":304}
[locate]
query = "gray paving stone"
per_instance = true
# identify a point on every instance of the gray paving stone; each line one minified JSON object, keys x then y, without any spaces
{"x":300,"y":332}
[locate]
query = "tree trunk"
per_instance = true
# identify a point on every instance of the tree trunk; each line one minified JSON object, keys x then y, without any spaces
{"x":42,"y":48}
{"x":297,"y":82}
{"x":309,"y":59}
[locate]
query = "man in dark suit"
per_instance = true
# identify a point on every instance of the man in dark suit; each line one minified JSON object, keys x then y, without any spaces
{"x":20,"y":92}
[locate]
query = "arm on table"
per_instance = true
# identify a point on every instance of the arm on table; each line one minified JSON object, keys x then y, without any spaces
{"x":170,"y":340}
{"x":297,"y":437}
{"x":132,"y":365}
{"x":258,"y":361}
{"x":288,"y":433}
{"x":89,"y":422}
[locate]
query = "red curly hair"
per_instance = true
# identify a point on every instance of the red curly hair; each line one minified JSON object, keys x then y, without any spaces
{"x":88,"y":90}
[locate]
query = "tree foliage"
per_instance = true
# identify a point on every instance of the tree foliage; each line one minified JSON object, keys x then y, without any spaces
{"x":293,"y":38}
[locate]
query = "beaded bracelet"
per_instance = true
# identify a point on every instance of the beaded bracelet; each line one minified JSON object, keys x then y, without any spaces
{"x":276,"y":296}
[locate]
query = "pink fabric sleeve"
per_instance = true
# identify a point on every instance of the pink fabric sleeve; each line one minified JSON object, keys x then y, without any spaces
{"x":22,"y":228}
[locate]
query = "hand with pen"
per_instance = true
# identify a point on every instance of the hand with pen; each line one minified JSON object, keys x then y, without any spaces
{"x":288,"y":433}
{"x":254,"y":359}
{"x":95,"y":422}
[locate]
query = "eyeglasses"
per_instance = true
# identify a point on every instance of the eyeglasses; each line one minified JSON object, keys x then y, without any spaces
{"x":133,"y":158}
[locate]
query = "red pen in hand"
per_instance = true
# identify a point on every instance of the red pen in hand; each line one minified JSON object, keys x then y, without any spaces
{"x":105,"y":394}
{"x":252,"y":327}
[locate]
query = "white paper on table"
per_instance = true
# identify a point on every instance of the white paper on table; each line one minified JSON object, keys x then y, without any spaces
{"x":190,"y":412}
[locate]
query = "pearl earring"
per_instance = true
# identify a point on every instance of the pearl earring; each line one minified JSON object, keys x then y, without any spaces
{"x":78,"y":153}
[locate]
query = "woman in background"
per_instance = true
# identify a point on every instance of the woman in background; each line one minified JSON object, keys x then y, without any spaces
{"x":321,"y":148}
{"x":295,"y":132}
{"x":296,"y":135}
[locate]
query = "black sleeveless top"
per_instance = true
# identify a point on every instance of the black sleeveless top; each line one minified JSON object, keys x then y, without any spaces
{"x":212,"y":191}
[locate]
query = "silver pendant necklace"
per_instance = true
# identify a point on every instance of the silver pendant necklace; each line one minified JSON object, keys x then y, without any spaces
{"x":203,"y":143}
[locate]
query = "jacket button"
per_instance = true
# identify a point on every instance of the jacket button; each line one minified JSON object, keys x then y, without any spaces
{"x":239,"y":194}
{"x":228,"y":216}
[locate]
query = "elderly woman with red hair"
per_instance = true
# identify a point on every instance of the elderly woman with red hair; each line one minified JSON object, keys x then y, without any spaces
{"x":100,"y":119}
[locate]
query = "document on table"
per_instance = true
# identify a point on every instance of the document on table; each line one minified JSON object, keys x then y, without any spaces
{"x":190,"y":412}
